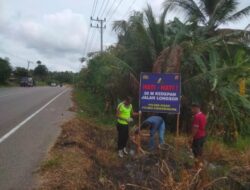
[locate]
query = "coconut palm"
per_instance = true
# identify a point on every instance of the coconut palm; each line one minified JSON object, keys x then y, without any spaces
{"x":142,"y":32}
{"x":209,"y":13}
{"x":134,"y":46}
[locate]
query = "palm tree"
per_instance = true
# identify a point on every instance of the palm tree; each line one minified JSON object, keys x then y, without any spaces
{"x":145,"y":30}
{"x":209,"y":13}
{"x":135,"y":45}
{"x":156,"y":30}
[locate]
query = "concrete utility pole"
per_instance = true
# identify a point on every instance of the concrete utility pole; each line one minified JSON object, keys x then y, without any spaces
{"x":101,"y":27}
{"x":28,"y":64}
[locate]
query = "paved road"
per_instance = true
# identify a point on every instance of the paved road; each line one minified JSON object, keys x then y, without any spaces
{"x":29,"y":125}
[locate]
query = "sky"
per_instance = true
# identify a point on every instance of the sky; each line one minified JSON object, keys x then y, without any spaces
{"x":58,"y":33}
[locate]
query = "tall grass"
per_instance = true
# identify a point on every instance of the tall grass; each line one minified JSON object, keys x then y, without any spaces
{"x":92,"y":107}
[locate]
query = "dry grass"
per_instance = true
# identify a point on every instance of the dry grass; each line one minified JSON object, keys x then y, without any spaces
{"x":73,"y":161}
{"x":74,"y":107}
{"x":84,"y":157}
{"x":217,"y":152}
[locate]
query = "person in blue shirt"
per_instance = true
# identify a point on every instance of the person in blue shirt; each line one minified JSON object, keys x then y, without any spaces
{"x":156,"y":125}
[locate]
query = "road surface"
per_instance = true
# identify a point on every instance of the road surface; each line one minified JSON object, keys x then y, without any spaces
{"x":30,"y":120}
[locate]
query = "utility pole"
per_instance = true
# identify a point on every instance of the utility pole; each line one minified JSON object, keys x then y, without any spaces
{"x":28,"y":65}
{"x":101,"y":27}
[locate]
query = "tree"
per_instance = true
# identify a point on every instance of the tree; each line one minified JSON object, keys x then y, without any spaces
{"x":62,"y":77}
{"x":140,"y":39}
{"x":134,"y":46}
{"x":41,"y":71}
{"x":209,"y":13}
{"x":39,"y":62}
{"x":5,"y":70}
{"x":82,"y":59}
{"x":20,"y":72}
{"x":107,"y":76}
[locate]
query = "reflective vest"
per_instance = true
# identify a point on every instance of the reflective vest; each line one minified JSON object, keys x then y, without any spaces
{"x":125,"y":113}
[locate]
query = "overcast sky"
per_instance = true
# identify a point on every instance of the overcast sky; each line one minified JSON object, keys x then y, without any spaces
{"x":56,"y":31}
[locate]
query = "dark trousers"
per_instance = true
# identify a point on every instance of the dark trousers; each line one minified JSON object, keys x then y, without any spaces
{"x":197,"y":147}
{"x":122,"y":135}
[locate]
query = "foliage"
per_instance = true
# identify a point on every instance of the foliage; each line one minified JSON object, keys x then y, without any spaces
{"x":108,"y":77}
{"x":91,"y":106}
{"x":5,"y":70}
{"x":61,"y":77}
{"x":210,"y":60}
{"x":220,"y":76}
{"x":41,"y":72}
{"x":39,"y":62}
{"x":21,"y":72}
{"x":210,"y":13}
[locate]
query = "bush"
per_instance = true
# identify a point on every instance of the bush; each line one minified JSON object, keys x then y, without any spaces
{"x":5,"y":70}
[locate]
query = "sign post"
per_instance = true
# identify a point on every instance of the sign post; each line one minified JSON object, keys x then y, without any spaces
{"x":160,"y":93}
{"x":178,"y":125}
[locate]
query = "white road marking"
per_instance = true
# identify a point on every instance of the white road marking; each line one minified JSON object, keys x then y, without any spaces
{"x":12,"y":131}
{"x":6,"y":95}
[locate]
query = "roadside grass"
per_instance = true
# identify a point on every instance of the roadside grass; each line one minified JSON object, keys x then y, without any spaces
{"x":8,"y":84}
{"x":41,"y":83}
{"x":242,"y":144}
{"x":92,"y":107}
{"x":81,"y":158}
{"x":51,"y":163}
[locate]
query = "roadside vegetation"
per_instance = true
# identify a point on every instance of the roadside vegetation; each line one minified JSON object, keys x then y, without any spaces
{"x":5,"y":70}
{"x":84,"y":157}
{"x":212,"y":62}
{"x":10,"y":76}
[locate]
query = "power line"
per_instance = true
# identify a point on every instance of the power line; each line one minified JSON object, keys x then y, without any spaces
{"x":95,"y":8}
{"x":115,"y":9}
{"x":95,"y":41}
{"x":100,"y":10}
{"x":91,"y":41}
{"x":86,"y":42}
{"x":105,"y":8}
{"x":110,"y":9}
{"x":130,"y":7}
{"x":88,"y":33}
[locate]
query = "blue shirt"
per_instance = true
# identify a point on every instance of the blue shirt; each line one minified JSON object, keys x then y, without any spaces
{"x":156,"y":121}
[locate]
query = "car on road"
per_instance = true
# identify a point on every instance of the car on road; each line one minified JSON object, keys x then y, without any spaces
{"x":53,"y":84}
{"x":27,"y":82}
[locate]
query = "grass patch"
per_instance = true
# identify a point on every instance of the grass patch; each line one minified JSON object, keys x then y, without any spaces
{"x":41,"y":83}
{"x":8,"y":84}
{"x":51,"y":163}
{"x":242,"y":144}
{"x":92,"y":107}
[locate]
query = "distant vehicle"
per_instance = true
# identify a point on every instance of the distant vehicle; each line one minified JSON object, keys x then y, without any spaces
{"x":61,"y":84}
{"x":27,"y":82}
{"x":53,"y":84}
